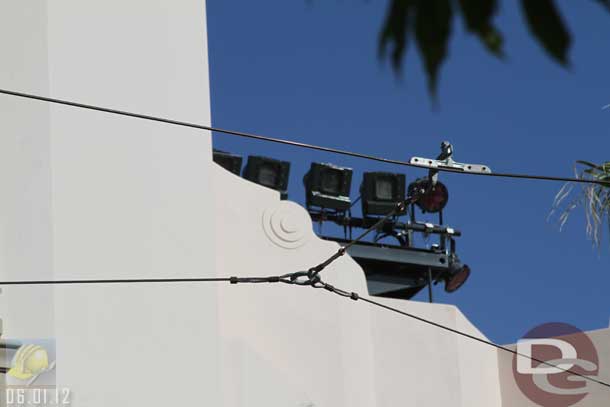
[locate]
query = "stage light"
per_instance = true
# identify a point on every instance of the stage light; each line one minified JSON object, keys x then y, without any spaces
{"x":229,"y":162}
{"x":380,"y":192}
{"x":457,"y":275}
{"x":328,"y":186}
{"x":433,"y":198}
{"x":268,"y":172}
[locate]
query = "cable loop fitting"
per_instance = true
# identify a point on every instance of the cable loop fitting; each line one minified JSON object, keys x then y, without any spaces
{"x":303,"y":278}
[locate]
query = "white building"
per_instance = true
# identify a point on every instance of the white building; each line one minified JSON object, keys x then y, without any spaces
{"x":89,"y":195}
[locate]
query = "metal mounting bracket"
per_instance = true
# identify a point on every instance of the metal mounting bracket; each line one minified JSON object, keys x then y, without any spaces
{"x":444,"y":161}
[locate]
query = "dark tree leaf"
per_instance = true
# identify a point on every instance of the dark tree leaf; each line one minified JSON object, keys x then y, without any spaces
{"x":546,"y":25}
{"x":605,"y":3}
{"x":431,"y":20}
{"x":395,"y":31}
{"x":432,"y":32}
{"x":478,"y":15}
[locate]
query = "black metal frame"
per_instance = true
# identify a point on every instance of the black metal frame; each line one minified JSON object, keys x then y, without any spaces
{"x":228,"y":161}
{"x":397,"y":271}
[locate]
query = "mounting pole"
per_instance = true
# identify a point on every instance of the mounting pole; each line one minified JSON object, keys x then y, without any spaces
{"x":430,"y":285}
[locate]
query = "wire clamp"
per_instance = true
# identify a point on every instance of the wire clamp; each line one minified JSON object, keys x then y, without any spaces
{"x":445,"y":161}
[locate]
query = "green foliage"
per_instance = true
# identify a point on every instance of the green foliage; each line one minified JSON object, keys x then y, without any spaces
{"x":431,"y":22}
{"x":593,"y":198}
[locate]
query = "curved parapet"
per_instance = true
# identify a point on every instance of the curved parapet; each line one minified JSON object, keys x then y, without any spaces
{"x":298,"y":346}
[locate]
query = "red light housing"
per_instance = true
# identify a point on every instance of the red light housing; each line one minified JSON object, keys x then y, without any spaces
{"x":434,"y":199}
{"x":457,"y":279}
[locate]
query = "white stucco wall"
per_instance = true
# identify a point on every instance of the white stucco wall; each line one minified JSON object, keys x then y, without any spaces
{"x":89,"y":195}
{"x":286,"y":345}
{"x":25,"y":170}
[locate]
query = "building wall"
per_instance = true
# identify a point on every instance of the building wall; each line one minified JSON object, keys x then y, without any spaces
{"x":297,"y":346}
{"x":25,"y":170}
{"x":86,"y":195}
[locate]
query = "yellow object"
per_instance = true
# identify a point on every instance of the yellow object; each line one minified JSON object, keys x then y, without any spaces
{"x":29,"y":361}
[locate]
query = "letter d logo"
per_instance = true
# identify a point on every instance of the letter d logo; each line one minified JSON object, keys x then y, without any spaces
{"x":565,"y":347}
{"x":524,"y":359}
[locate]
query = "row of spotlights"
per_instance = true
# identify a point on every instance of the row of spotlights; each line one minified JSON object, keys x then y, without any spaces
{"x":328,"y":186}
{"x":264,"y":171}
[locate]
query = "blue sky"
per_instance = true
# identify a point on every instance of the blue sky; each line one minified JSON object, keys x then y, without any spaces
{"x":308,"y":71}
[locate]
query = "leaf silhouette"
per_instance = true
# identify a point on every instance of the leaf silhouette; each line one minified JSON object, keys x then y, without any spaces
{"x":431,"y":21}
{"x":432,"y":31}
{"x":605,"y":3}
{"x":396,"y":31}
{"x":546,"y":25}
{"x":478,"y":15}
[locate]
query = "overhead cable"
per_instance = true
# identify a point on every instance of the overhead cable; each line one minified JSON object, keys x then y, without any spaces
{"x":355,"y":296}
{"x":289,"y":142}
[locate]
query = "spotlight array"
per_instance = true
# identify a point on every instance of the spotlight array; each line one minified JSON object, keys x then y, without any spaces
{"x":398,"y":271}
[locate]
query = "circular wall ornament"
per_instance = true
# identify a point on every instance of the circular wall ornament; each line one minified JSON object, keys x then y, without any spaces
{"x":287,"y":224}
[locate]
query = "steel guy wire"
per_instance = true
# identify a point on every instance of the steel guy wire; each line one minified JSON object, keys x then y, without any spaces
{"x":289,"y":142}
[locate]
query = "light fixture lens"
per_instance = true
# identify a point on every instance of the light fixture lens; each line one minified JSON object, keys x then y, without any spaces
{"x":328,"y":186}
{"x":457,"y":279}
{"x":267,"y":175}
{"x":380,"y":192}
{"x":434,"y":199}
{"x":268,"y":172}
{"x":384,"y":189}
{"x":331,"y":182}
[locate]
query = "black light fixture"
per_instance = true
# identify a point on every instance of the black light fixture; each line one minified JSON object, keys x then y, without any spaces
{"x":328,"y":186}
{"x":380,"y":192}
{"x":456,"y":276}
{"x":228,"y":161}
{"x":268,"y":172}
{"x":434,"y":197}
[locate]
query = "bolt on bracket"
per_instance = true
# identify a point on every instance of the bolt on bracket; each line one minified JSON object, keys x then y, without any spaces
{"x":444,"y":161}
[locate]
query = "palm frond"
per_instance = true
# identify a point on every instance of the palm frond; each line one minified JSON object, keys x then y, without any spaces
{"x":593,"y":198}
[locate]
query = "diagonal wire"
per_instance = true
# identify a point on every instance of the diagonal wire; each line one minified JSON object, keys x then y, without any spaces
{"x":315,"y":270}
{"x":355,"y":296}
{"x":289,"y":142}
{"x":316,"y":282}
